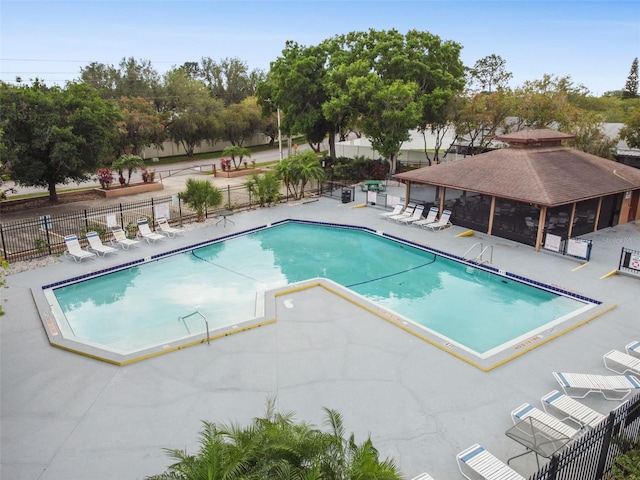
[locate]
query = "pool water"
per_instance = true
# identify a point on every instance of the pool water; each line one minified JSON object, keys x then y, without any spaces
{"x":145,"y":305}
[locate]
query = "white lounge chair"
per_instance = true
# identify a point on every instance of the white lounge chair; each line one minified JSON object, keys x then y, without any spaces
{"x":478,"y":462}
{"x":96,"y":245}
{"x":414,"y":217}
{"x":120,"y":238}
{"x":75,"y":251}
{"x":442,"y":223}
{"x":145,"y":232}
{"x":407,"y":212}
{"x":431,"y":217}
{"x":164,"y":226}
{"x":397,"y":210}
{"x":633,"y":349}
{"x":620,"y":362}
{"x":568,"y":409}
{"x":423,"y":476}
{"x":611,"y":387}
{"x":527,"y":410}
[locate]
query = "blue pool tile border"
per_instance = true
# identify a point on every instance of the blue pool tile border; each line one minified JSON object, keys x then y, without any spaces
{"x":419,"y":246}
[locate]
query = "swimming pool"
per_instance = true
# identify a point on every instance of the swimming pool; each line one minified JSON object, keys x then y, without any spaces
{"x":153,"y":303}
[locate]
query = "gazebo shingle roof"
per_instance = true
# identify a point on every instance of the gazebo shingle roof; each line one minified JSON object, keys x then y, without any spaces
{"x":545,"y":175}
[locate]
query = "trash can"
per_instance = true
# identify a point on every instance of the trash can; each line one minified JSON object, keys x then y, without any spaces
{"x":346,"y":196}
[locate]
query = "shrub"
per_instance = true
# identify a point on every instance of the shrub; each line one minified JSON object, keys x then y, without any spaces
{"x":200,"y":195}
{"x":105,"y":177}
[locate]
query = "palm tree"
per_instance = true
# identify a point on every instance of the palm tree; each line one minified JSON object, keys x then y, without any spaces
{"x":286,"y":170}
{"x":200,"y":195}
{"x":216,"y":459}
{"x":129,"y":162}
{"x":234,"y":151}
{"x":309,"y":168}
{"x":266,"y":188}
{"x":344,"y":459}
{"x":275,"y":447}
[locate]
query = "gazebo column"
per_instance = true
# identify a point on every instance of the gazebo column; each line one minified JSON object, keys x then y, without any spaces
{"x":407,"y":193}
{"x":597,"y":219}
{"x":542,"y":219}
{"x":571,"y":218}
{"x":442,"y":195}
{"x":492,"y":210}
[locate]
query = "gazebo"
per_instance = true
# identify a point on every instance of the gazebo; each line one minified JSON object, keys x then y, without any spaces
{"x":533,"y":187}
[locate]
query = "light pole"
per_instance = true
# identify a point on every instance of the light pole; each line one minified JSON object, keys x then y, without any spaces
{"x":279,"y":128}
{"x":279,"y":133}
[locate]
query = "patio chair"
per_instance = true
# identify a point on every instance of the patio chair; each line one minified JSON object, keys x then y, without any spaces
{"x":407,"y":212}
{"x":120,"y":238}
{"x":442,"y":223}
{"x":414,"y":217}
{"x":633,"y":349}
{"x":431,"y":217}
{"x":478,"y":462}
{"x":164,"y":226}
{"x":75,"y":251}
{"x":397,"y":210}
{"x":423,"y":476}
{"x":145,"y":232}
{"x":620,"y":362}
{"x":611,"y":387}
{"x":568,"y":409}
{"x":527,"y":410}
{"x":96,"y":245}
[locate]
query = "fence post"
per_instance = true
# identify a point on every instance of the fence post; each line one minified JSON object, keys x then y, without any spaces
{"x":229,"y":196}
{"x":552,"y":469}
{"x":4,"y":243}
{"x":46,"y":229}
{"x":606,"y":443}
{"x":153,"y":213}
{"x":86,"y":220}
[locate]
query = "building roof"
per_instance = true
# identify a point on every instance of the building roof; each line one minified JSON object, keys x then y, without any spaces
{"x":538,"y":170}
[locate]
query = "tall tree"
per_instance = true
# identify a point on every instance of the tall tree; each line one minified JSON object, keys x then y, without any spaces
{"x":137,"y":78}
{"x":56,"y":135}
{"x":141,"y":125}
{"x":389,"y":111}
{"x":132,"y":78}
{"x":103,"y":78}
{"x":489,"y":73}
{"x":241,"y":121}
{"x":230,"y":79}
{"x":477,"y":117}
{"x":194,"y":114}
{"x":296,"y":84}
{"x":631,"y":86}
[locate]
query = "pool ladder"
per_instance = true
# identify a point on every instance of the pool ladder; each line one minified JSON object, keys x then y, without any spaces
{"x":206,"y":322}
{"x":479,"y":259}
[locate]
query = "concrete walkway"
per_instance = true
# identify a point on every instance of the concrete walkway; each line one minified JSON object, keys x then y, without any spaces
{"x":65,"y":416}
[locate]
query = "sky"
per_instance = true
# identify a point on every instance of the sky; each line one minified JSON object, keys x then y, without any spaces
{"x":593,"y":42}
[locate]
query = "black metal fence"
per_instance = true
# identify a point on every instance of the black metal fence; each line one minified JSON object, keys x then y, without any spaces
{"x":42,"y":236}
{"x":591,"y":457}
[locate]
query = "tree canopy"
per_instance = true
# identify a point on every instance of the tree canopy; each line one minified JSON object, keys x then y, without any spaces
{"x":383,"y":83}
{"x":56,"y":135}
{"x":631,"y":86}
{"x":194,"y":114}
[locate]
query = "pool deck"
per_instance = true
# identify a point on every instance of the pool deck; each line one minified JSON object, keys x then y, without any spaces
{"x":64,"y":415}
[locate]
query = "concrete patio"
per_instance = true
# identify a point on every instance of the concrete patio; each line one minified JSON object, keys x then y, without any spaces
{"x":68,"y":416}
